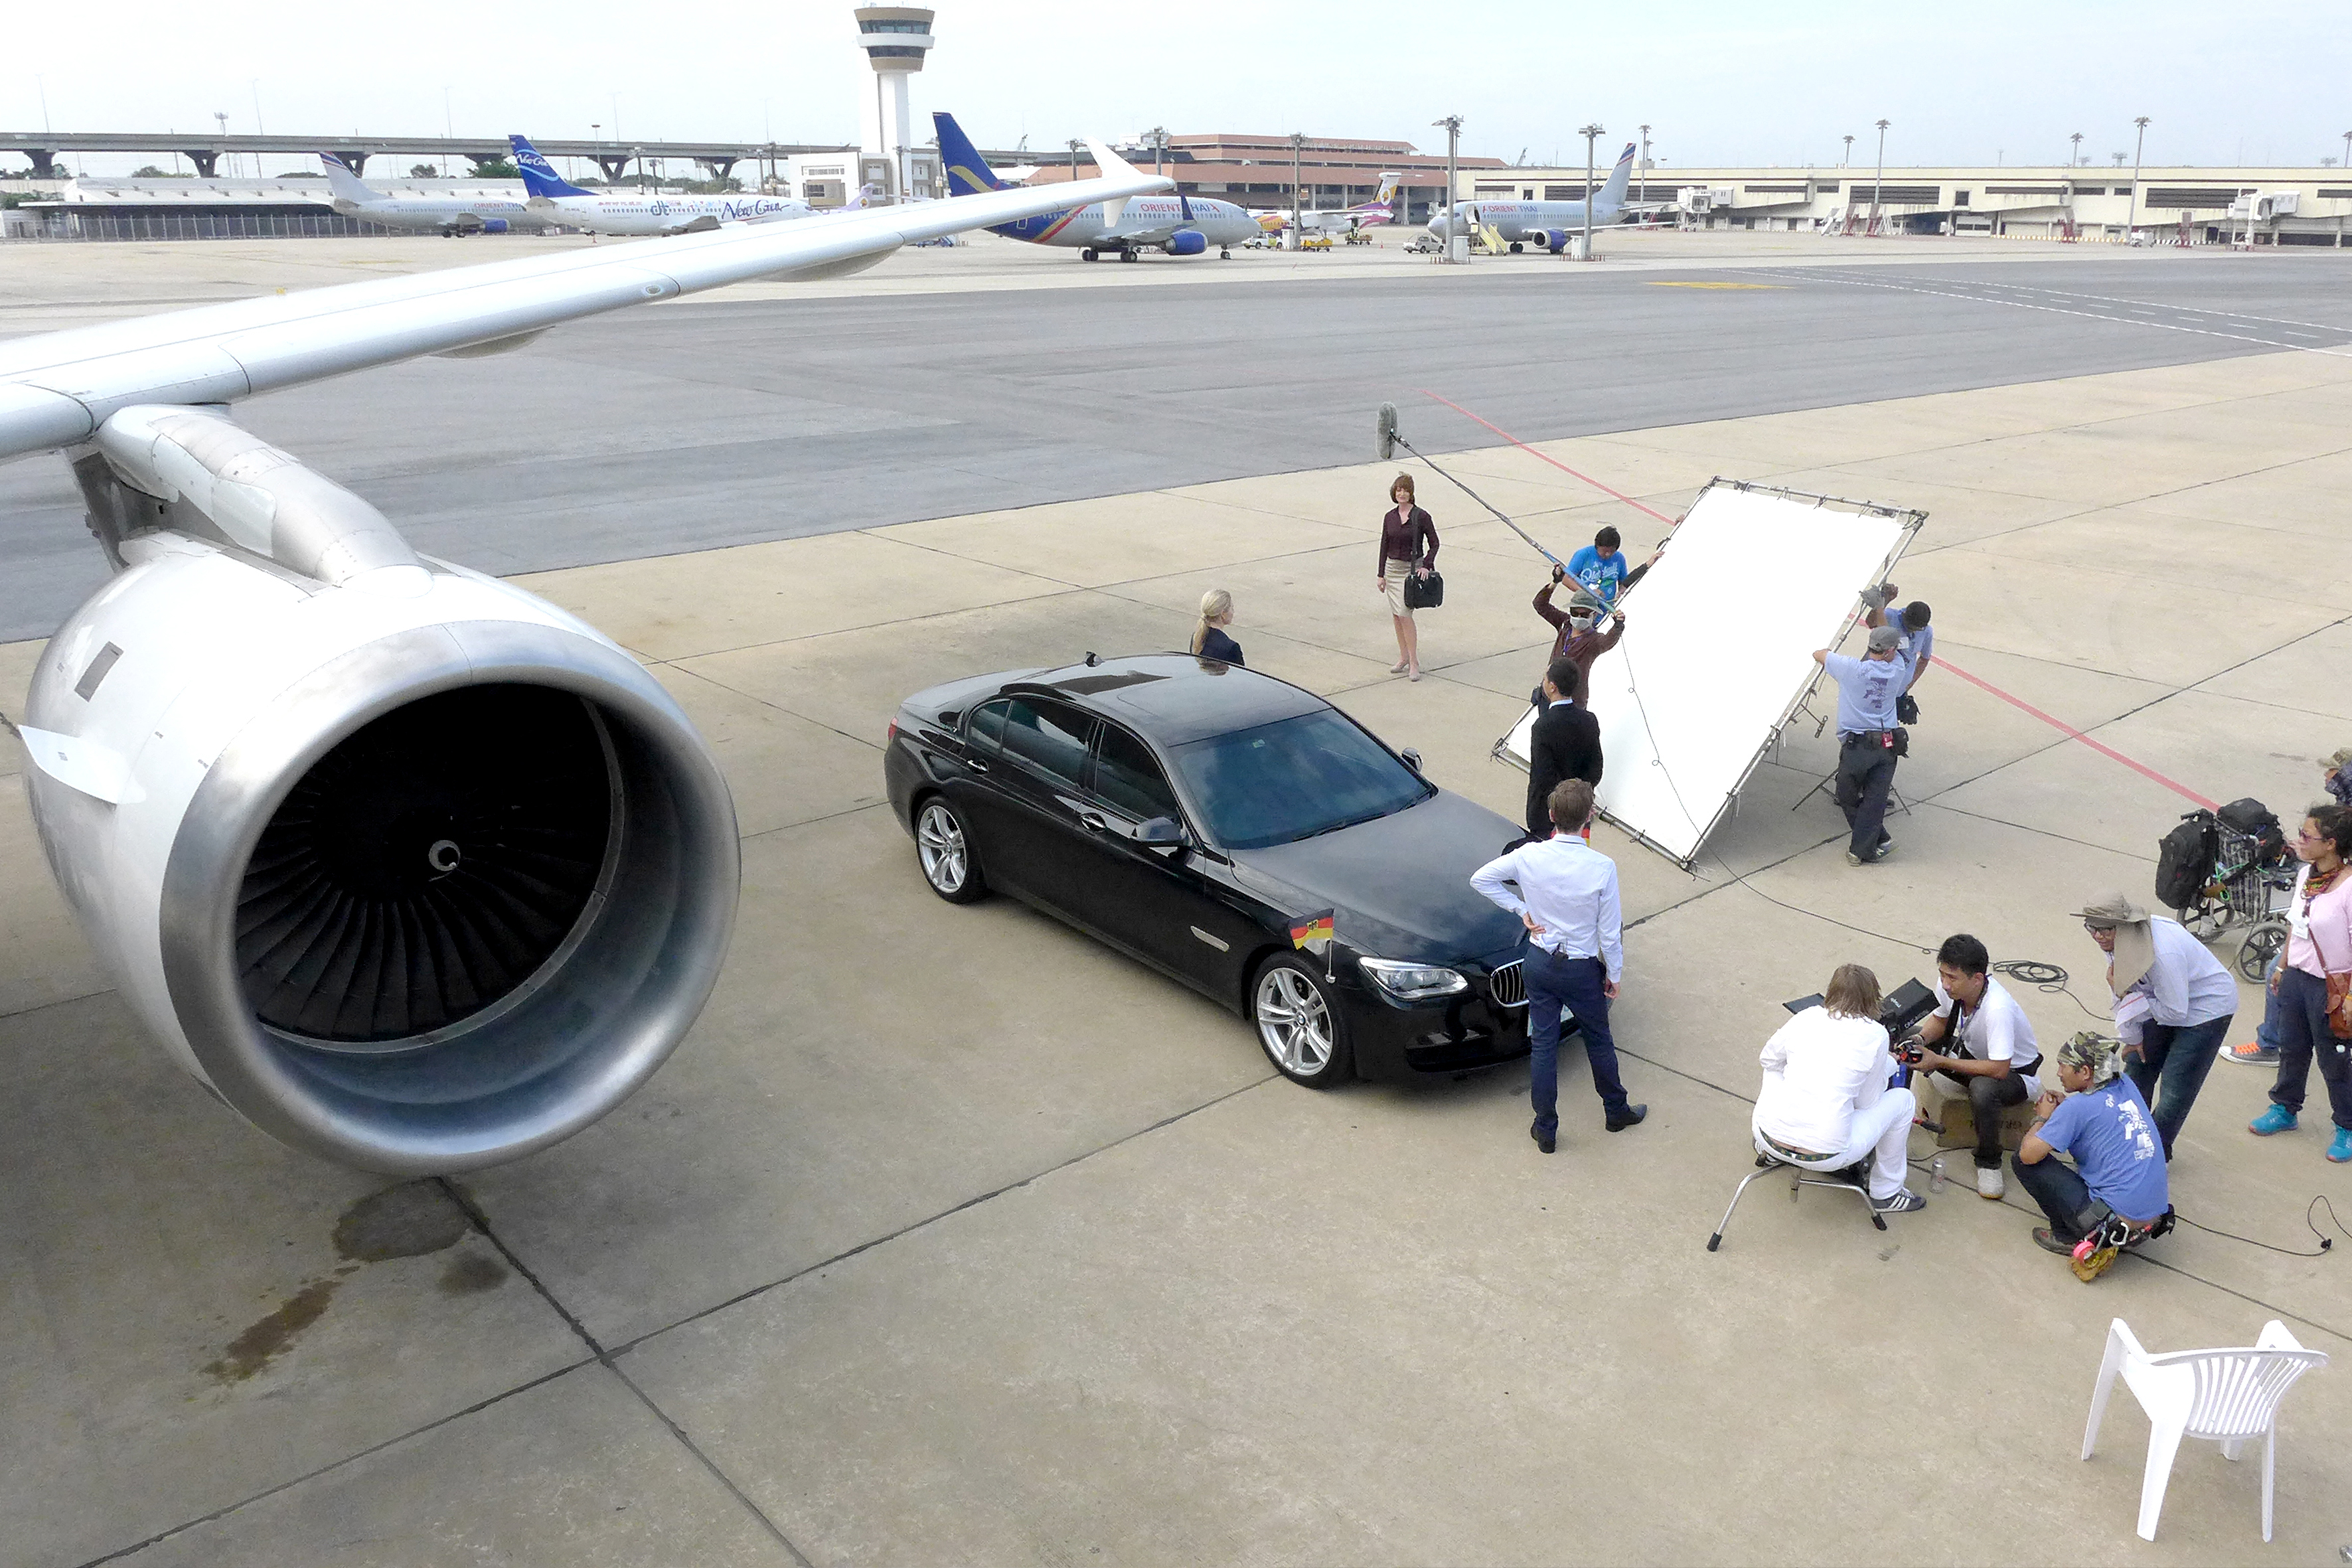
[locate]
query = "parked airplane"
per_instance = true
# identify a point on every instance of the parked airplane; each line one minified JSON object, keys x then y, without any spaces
{"x":1381,"y":209}
{"x":411,"y":868}
{"x":557,"y":200}
{"x":1179,"y":224}
{"x":445,"y":215}
{"x":1546,"y":224}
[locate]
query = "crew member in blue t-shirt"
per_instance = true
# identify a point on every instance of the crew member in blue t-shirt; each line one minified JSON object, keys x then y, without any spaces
{"x":2118,"y":1169}
{"x":1867,"y":688}
{"x":1601,"y":566}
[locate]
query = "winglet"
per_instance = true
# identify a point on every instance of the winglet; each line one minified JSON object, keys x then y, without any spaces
{"x":1114,"y":167}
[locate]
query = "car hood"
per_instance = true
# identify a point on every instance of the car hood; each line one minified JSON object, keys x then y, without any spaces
{"x":1400,"y":884}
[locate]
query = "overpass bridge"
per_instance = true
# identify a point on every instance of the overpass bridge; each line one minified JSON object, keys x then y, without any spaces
{"x":205,"y":152}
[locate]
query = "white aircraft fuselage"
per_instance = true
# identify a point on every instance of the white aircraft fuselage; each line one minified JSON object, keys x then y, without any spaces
{"x":610,"y":214}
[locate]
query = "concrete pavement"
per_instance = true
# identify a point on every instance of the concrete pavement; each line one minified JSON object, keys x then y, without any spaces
{"x":950,"y":1235}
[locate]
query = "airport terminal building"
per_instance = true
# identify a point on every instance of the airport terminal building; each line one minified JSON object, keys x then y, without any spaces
{"x":2195,"y":205}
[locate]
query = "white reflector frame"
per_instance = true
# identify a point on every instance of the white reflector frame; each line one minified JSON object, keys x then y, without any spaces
{"x":1717,"y":651}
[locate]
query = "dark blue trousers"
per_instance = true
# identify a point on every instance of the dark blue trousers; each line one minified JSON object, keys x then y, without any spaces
{"x":1553,"y":980}
{"x":2305,"y":1037}
{"x":2171,"y":1068}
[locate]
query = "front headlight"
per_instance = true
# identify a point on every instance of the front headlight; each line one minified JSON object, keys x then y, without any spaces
{"x":1411,"y":982}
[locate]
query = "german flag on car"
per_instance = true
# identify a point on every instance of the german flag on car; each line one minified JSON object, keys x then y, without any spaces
{"x":1314,"y":933}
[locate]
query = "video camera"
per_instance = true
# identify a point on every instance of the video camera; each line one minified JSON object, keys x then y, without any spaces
{"x":1900,"y":1012}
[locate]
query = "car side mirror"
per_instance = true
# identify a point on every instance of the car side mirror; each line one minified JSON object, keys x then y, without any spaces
{"x":1162,"y":833}
{"x":1412,"y":759}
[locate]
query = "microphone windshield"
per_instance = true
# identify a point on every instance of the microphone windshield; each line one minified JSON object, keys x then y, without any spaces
{"x":1388,"y":429}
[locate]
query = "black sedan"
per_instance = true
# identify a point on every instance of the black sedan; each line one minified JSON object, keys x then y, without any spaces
{"x":1194,"y":814}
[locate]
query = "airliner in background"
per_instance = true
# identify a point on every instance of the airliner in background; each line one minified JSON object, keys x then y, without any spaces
{"x":447,"y":215}
{"x":1178,"y":223}
{"x":1381,"y":209}
{"x":1546,"y":224}
{"x":555,"y":199}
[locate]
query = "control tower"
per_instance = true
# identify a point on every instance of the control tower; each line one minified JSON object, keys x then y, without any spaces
{"x":895,"y":38}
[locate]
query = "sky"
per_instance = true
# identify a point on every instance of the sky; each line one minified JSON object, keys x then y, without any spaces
{"x":1719,"y":83}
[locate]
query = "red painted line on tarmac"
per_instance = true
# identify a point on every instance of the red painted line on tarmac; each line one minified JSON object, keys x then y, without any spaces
{"x":1982,"y":685}
{"x":1555,"y":462}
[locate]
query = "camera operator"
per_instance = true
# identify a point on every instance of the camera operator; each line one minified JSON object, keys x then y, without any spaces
{"x":1825,"y":1103}
{"x":2118,"y":1169}
{"x":1997,"y":1059}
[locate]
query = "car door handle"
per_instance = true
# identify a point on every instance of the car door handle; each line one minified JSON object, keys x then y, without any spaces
{"x":1094,"y":822}
{"x":975,"y":764}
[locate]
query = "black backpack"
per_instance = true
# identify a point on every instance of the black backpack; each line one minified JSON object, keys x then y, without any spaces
{"x":2184,"y":860}
{"x":2259,"y":822}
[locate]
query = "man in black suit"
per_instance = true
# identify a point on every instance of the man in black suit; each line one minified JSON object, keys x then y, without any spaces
{"x":1564,"y":745}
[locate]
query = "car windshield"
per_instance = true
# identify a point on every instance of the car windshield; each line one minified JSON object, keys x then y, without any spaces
{"x":1294,"y":778}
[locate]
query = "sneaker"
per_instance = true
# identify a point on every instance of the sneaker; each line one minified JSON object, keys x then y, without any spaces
{"x":2253,"y":1054}
{"x":1989,"y":1182}
{"x":2047,"y":1242}
{"x":1905,"y":1201}
{"x":2339,"y":1148}
{"x":2273,"y":1119}
{"x":1852,"y":858}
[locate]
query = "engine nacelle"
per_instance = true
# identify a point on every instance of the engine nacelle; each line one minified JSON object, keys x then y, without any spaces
{"x":494,"y":225}
{"x":1187,"y":242}
{"x":414,"y":870}
{"x":1554,"y":240}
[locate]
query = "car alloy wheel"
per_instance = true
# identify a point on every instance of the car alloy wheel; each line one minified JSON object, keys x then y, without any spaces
{"x":945,"y":851}
{"x":1298,"y":1025}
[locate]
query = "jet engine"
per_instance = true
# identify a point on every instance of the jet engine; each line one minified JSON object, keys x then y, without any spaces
{"x":411,"y":868}
{"x":494,"y":225}
{"x":1187,"y":242}
{"x":1554,"y":240}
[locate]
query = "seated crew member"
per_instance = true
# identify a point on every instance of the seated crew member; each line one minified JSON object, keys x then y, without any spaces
{"x":2173,"y":1004}
{"x":1993,"y":1059}
{"x":1867,"y":688}
{"x":2102,"y":1121}
{"x":1825,"y":1103}
{"x":1564,"y":745}
{"x":1573,"y":637}
{"x":1601,"y":566}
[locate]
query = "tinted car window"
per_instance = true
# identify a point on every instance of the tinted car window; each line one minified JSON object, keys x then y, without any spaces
{"x":1128,"y":776}
{"x":1294,"y":778}
{"x":987,"y":730}
{"x":1048,"y":737}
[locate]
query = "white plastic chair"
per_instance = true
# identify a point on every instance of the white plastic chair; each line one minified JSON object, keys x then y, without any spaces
{"x":2226,"y":1396}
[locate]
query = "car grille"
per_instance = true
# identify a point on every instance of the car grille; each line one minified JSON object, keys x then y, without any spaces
{"x":1508,"y":985}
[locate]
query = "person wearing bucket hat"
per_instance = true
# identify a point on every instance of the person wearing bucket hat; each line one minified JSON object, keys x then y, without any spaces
{"x":1573,"y":635}
{"x":2103,"y":1124}
{"x":2173,"y":1003}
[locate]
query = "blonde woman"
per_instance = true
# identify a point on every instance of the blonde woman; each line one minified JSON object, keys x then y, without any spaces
{"x":1408,"y":547}
{"x":1825,"y":1104}
{"x":1208,"y":639}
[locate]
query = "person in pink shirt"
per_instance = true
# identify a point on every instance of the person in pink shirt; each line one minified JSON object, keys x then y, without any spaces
{"x":2315,"y":984}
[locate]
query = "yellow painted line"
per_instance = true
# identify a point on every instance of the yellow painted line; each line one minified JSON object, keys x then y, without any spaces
{"x":1658,"y":285}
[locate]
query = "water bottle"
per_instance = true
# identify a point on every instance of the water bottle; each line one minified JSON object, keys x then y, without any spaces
{"x":1936,"y":1175}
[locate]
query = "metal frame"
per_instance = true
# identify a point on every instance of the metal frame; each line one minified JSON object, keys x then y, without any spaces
{"x":1805,"y":1176}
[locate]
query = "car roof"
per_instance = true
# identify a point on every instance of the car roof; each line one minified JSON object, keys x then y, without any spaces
{"x":1174,"y":698}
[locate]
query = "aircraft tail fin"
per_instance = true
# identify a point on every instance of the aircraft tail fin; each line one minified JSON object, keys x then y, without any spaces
{"x":539,"y":175}
{"x":865,"y":196}
{"x":967,"y":172}
{"x":346,"y":185}
{"x":1612,"y":196}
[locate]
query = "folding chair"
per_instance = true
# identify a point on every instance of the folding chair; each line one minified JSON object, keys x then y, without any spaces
{"x":2225,"y":1397}
{"x":1854,"y":1179}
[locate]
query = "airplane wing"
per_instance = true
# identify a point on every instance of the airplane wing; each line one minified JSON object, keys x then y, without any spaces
{"x":56,"y":388}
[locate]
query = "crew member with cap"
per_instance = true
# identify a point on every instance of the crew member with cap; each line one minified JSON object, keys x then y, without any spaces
{"x":1573,"y":637}
{"x":1867,"y":688}
{"x":2174,"y":1001}
{"x":1565,"y":892}
{"x":2102,"y":1121}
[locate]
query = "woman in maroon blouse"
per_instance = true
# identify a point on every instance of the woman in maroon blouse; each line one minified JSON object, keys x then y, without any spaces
{"x":1408,"y":547}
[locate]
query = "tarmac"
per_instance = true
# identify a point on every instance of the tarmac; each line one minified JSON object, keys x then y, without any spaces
{"x":950,"y":1235}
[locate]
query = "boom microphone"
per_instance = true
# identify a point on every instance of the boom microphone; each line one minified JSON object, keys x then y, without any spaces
{"x":1386,"y":440}
{"x":1388,"y":431}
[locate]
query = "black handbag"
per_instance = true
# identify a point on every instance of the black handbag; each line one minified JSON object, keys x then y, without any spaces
{"x":1424,"y":592}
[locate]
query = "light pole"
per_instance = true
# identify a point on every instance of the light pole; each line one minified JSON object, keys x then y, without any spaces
{"x":1589,"y":133}
{"x":2347,"y":149}
{"x":2131,"y":212}
{"x":1849,"y":154}
{"x":1158,"y":137}
{"x":2075,"y":159}
{"x":1073,"y":158}
{"x":1645,"y":192}
{"x":1297,"y":146}
{"x":1878,"y":180}
{"x":1453,"y":124}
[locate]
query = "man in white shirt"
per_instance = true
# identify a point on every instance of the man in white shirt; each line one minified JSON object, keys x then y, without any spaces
{"x":1567,"y":898}
{"x":1997,"y":1064}
{"x":2174,"y":1003}
{"x":1825,"y":1103}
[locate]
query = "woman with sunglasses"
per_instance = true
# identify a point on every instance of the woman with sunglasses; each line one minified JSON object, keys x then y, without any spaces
{"x":2315,"y":984}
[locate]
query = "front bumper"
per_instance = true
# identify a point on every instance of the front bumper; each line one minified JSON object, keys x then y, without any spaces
{"x":1400,"y":1041}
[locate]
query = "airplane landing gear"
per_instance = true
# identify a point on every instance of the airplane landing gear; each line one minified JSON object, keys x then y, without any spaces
{"x":1515,"y":248}
{"x":1224,"y":253}
{"x":1125,"y":254}
{"x":1088,"y":253}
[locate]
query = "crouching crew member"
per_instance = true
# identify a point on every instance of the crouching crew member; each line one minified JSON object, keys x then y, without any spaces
{"x":2118,"y":1172}
{"x":2173,"y":1004}
{"x":1825,"y":1103}
{"x":1992,"y":1060}
{"x":1567,"y":898}
{"x":1867,"y":688}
